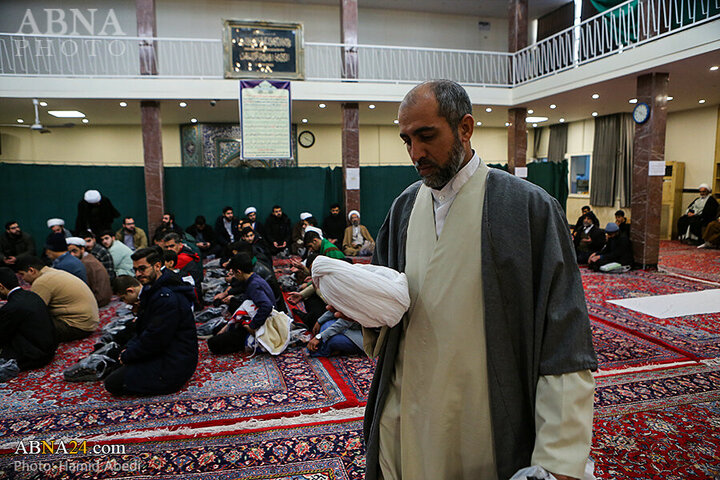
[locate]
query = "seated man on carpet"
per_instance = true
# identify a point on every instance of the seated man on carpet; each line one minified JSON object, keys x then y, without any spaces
{"x":72,"y":305}
{"x":617,"y":249}
{"x":321,"y":246}
{"x":188,"y":262}
{"x":590,"y":239}
{"x":97,"y":277}
{"x":260,"y":248}
{"x":57,"y":250}
{"x":133,"y":237}
{"x":711,"y":235}
{"x":622,"y":222}
{"x":57,"y":225}
{"x":232,"y":336}
{"x":585,"y":210}
{"x":251,"y":215}
{"x":700,"y":212}
{"x":297,"y":247}
{"x":27,"y":333}
{"x":119,"y":252}
{"x":278,"y":231}
{"x":163,"y":354}
{"x":204,"y":237}
{"x":167,"y":225}
{"x":15,"y":243}
{"x":226,"y":228}
{"x":334,"y":225}
{"x":357,"y":240}
{"x":335,"y":336}
{"x":99,"y":252}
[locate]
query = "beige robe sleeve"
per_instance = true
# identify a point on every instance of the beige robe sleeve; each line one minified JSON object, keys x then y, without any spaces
{"x":563,"y":422}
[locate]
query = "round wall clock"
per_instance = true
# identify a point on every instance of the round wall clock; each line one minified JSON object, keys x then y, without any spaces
{"x":306,"y":139}
{"x":641,"y":112}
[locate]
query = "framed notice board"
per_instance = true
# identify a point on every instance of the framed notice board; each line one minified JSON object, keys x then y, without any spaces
{"x":263,"y":50}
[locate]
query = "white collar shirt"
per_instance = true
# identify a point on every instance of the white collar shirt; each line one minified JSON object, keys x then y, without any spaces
{"x":443,"y":198}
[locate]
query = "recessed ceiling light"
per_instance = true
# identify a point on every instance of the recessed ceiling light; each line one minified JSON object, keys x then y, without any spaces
{"x":702,"y":100}
{"x":43,"y":104}
{"x":478,"y":123}
{"x":322,"y":105}
{"x":507,"y":124}
{"x":371,"y":106}
{"x":488,"y":109}
{"x":193,"y":120}
{"x":535,"y":119}
{"x":594,"y":114}
{"x":553,"y":106}
{"x":713,"y":68}
{"x":123,"y":104}
{"x":632,"y":100}
{"x":534,"y":124}
{"x":531,"y":111}
{"x":595,"y":96}
{"x":562,"y":120}
{"x":20,"y":120}
{"x":85,"y":120}
{"x":304,"y":120}
{"x":66,"y":113}
{"x":669,"y":98}
{"x":182,"y":104}
{"x":396,"y":121}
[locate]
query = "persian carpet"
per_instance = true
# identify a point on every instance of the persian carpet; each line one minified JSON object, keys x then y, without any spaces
{"x":357,"y":372}
{"x":616,"y":348}
{"x":223,"y":390}
{"x":696,"y":336}
{"x":656,"y":389}
{"x":321,"y":451}
{"x":676,"y":443}
{"x":687,"y":260}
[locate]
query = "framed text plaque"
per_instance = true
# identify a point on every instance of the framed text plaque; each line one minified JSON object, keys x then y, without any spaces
{"x":263,"y":50}
{"x":265,"y":119}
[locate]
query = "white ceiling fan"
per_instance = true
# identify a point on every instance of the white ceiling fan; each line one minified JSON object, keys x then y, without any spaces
{"x":37,"y":126}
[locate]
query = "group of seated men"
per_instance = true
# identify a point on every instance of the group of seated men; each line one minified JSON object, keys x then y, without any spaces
{"x":76,"y":274}
{"x":596,"y":247}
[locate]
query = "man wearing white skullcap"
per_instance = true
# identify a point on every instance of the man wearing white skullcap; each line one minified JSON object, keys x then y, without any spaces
{"x":95,"y":213}
{"x":357,"y":239}
{"x":700,"y":212}
{"x":251,"y":214}
{"x":297,"y":247}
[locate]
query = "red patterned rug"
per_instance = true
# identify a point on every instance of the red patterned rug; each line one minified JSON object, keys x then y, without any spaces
{"x":357,"y":372}
{"x":677,"y":443}
{"x":695,"y":336}
{"x":687,"y":260}
{"x":322,"y":451}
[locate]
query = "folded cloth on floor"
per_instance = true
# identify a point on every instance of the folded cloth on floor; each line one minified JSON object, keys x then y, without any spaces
{"x":211,"y":327}
{"x":372,"y":295}
{"x":90,"y":369}
{"x":210,"y":313}
{"x":274,"y":334}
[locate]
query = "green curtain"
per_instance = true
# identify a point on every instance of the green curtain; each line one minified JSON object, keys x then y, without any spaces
{"x":617,"y":18}
{"x":552,"y":177}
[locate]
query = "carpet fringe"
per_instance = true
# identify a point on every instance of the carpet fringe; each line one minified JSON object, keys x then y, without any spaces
{"x":643,"y":368}
{"x":192,"y":432}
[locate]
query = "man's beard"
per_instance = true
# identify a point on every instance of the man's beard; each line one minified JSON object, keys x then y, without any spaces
{"x":16,"y":235}
{"x":356,"y":223}
{"x":446,"y":173}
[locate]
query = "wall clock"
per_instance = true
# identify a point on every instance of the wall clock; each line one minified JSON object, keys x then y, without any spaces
{"x":641,"y":113}
{"x":306,"y":139}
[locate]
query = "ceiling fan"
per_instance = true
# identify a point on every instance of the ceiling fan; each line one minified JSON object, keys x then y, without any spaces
{"x":37,"y":126}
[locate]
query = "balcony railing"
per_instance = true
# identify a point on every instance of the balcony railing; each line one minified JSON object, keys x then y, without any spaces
{"x":628,"y":25}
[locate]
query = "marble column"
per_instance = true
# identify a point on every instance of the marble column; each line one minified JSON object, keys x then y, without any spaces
{"x":648,"y":146}
{"x":517,"y":138}
{"x":151,"y":122}
{"x":518,"y":25}
{"x":350,"y":110}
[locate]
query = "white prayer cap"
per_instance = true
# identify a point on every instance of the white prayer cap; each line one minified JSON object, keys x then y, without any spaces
{"x":353,"y":212}
{"x":705,"y":186}
{"x":250,"y":210}
{"x":92,"y":196}
{"x":310,"y":228}
{"x":55,"y":221}
{"x":75,"y":241}
{"x":305,"y":215}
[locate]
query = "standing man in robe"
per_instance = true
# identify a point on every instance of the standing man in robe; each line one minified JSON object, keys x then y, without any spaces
{"x":490,"y":370}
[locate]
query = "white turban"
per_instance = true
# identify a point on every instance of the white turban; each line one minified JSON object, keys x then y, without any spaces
{"x":372,"y":295}
{"x":353,"y":212}
{"x":92,"y":196}
{"x":305,"y":215}
{"x":55,"y":221}
{"x":250,"y":210}
{"x":705,"y":186}
{"x":75,"y":241}
{"x":310,"y":228}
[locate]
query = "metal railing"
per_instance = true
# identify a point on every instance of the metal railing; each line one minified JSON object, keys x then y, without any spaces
{"x":630,"y":24}
{"x":625,"y":26}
